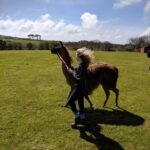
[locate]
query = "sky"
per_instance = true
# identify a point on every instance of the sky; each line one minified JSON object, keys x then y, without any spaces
{"x":115,"y":21}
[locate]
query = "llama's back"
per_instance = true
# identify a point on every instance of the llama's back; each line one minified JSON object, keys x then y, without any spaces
{"x":102,"y":73}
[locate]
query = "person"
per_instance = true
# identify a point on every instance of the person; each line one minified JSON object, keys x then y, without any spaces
{"x":80,"y":75}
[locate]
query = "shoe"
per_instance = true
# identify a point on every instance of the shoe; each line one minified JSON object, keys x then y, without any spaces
{"x":76,"y":122}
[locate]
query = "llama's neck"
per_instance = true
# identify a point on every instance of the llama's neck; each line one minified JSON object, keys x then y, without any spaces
{"x":64,"y":69}
{"x":67,"y":75}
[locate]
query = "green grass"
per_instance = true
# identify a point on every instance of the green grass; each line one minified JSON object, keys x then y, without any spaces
{"x":32,"y":87}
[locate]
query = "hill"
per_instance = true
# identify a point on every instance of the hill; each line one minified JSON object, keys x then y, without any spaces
{"x":16,"y":43}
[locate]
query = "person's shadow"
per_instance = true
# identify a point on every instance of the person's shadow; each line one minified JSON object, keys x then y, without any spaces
{"x":92,"y":131}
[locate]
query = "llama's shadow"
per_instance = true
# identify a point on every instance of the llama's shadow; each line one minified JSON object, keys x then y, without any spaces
{"x":114,"y":117}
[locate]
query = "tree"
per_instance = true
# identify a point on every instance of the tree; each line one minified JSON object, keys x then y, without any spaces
{"x":19,"y":46}
{"x":34,"y":36}
{"x":31,"y":36}
{"x":46,"y":45}
{"x":30,"y":46}
{"x":107,"y":46}
{"x":9,"y":46}
{"x":139,"y":42}
{"x":2,"y":45}
{"x":41,"y":46}
{"x":37,"y":37}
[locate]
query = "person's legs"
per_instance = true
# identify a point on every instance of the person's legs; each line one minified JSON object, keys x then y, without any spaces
{"x":81,"y":103}
{"x":81,"y":107}
{"x":66,"y":105}
{"x":71,"y":101}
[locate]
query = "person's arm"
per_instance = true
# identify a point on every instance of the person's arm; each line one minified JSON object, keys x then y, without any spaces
{"x":73,"y":72}
{"x":70,"y":70}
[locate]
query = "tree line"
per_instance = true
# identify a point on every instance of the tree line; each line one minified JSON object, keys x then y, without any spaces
{"x":95,"y":45}
{"x":28,"y":45}
{"x":139,"y":42}
{"x":134,"y":44}
{"x":46,"y":45}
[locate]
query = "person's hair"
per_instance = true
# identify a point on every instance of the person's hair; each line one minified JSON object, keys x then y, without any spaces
{"x":86,"y":55}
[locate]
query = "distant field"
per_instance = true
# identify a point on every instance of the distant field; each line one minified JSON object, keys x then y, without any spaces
{"x":32,"y":87}
{"x":19,"y":40}
{"x":14,"y":43}
{"x":24,"y":42}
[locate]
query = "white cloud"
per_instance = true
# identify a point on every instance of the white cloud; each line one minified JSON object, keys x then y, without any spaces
{"x":89,"y":29}
{"x":146,"y":32}
{"x":89,"y":20}
{"x":147,"y":7}
{"x":72,"y":29}
{"x":45,"y":17}
{"x":44,"y":25}
{"x":124,"y":3}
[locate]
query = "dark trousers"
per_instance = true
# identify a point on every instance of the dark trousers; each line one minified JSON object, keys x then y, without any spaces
{"x":76,"y":94}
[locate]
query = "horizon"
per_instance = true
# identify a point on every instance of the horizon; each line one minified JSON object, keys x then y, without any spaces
{"x":115,"y":21}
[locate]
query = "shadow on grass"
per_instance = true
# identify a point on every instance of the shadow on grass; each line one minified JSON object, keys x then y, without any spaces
{"x":114,"y":117}
{"x":92,"y":132}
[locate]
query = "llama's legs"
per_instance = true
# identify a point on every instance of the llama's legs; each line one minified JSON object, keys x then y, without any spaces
{"x":107,"y":95}
{"x":88,"y":99}
{"x":116,"y":91}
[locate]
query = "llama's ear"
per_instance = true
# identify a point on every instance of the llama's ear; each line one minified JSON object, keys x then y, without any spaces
{"x":61,"y":43}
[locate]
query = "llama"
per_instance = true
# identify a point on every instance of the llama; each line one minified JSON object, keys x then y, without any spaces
{"x":98,"y":73}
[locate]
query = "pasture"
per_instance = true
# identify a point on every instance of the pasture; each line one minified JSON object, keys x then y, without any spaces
{"x":32,"y":88}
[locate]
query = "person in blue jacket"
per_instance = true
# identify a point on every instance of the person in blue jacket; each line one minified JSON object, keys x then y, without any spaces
{"x":80,"y":87}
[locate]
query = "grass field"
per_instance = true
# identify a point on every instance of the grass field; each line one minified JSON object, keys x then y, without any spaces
{"x":32,"y":87}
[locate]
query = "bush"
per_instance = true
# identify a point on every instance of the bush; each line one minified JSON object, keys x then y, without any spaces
{"x":9,"y":46}
{"x":30,"y":46}
{"x":43,"y":46}
{"x":2,"y":45}
{"x":148,"y":53}
{"x":17,"y":46}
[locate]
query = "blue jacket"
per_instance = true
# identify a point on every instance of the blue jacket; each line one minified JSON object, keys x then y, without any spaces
{"x":80,"y":75}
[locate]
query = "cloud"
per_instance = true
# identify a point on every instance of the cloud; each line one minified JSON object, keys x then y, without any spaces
{"x":44,"y":25}
{"x":147,"y":7}
{"x":89,"y":20}
{"x":72,"y":29}
{"x":125,"y":3}
{"x":90,"y":28}
{"x":59,"y":26}
{"x":45,"y":17}
{"x":146,"y":32}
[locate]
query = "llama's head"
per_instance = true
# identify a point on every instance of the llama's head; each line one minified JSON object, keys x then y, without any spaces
{"x":62,"y":51}
{"x":59,"y":49}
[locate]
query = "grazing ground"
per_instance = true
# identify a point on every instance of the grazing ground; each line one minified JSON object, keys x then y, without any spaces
{"x":32,"y":88}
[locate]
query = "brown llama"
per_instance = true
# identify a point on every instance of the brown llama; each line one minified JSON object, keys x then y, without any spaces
{"x":98,"y":73}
